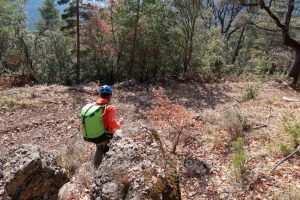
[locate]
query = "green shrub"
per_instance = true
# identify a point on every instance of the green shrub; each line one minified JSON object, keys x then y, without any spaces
{"x":250,"y":92}
{"x":292,"y":126}
{"x":238,"y":158}
{"x":284,"y":149}
{"x":8,"y":102}
{"x":11,"y":102}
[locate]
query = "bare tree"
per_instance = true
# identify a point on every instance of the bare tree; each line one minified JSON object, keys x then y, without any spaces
{"x":227,"y":12}
{"x":284,"y":26}
{"x":231,"y":17}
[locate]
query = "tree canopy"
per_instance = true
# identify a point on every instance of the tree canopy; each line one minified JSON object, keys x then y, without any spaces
{"x":148,"y":40}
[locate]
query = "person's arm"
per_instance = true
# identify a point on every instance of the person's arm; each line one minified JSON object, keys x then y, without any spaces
{"x":113,"y":124}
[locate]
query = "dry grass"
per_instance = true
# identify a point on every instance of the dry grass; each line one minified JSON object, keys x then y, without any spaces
{"x":288,"y":194}
{"x":209,"y":117}
{"x":264,"y":146}
{"x":235,"y":124}
{"x":13,"y":102}
{"x":73,"y":156}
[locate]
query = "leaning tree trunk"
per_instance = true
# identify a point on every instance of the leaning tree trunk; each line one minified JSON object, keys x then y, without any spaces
{"x":294,"y":71}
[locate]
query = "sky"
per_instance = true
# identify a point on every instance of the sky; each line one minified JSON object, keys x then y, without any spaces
{"x":33,"y":14}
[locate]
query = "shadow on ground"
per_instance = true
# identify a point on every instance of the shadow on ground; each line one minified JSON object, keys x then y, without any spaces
{"x":191,"y":95}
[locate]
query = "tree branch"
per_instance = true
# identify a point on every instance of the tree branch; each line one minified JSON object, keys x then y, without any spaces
{"x":288,"y":15}
{"x":262,"y":28}
{"x":249,"y":4}
{"x":288,"y":41}
{"x":271,"y":14}
{"x":284,"y":159}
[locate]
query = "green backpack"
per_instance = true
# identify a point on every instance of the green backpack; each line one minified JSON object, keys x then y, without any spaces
{"x":91,"y":116}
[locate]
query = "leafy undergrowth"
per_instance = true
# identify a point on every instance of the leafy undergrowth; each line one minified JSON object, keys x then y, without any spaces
{"x":239,"y":141}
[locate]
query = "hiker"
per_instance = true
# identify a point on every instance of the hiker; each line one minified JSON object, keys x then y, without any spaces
{"x":109,"y":121}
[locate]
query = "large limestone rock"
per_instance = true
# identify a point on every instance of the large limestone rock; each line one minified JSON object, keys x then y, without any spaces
{"x":29,"y":173}
{"x":136,"y":170}
{"x":80,"y":184}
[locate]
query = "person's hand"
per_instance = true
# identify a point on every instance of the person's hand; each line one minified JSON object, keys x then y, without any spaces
{"x":121,"y":121}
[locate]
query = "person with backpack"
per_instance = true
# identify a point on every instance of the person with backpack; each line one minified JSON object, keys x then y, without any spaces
{"x":99,"y":123}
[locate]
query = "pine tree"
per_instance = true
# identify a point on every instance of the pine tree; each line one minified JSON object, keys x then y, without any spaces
{"x":73,"y":15}
{"x":50,"y":16}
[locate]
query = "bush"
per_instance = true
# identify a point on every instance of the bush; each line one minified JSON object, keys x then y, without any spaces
{"x":284,"y":149}
{"x":238,"y":158}
{"x":250,"y":92}
{"x":235,"y":124}
{"x":292,"y":126}
{"x":8,"y":102}
{"x":12,"y":102}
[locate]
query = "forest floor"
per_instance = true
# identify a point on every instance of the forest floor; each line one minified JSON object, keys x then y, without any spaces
{"x":48,"y":116}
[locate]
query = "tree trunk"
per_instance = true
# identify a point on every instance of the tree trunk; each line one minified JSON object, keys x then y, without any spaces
{"x":294,"y":71}
{"x":134,"y":38}
{"x":190,"y":49}
{"x":77,"y":70}
{"x":238,"y":46}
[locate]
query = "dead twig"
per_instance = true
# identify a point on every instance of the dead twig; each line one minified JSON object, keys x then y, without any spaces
{"x":270,"y":113}
{"x":286,"y":158}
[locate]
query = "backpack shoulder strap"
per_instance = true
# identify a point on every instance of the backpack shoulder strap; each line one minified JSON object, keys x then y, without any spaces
{"x":104,"y":106}
{"x":86,"y":112}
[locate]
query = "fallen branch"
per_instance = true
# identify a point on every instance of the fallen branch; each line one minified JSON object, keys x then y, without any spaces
{"x":284,"y":159}
{"x":290,"y":99}
{"x":260,"y":126}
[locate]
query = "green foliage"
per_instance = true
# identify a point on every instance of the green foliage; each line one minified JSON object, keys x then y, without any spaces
{"x":12,"y":102}
{"x":213,"y":58}
{"x":53,"y":62}
{"x":239,"y":158}
{"x":259,"y":63}
{"x":284,"y":149}
{"x":250,"y":92}
{"x":142,"y":40}
{"x":8,"y":102}
{"x":49,"y":17}
{"x":292,"y":127}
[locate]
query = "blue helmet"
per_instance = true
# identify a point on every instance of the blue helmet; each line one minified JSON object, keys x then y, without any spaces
{"x":105,"y":89}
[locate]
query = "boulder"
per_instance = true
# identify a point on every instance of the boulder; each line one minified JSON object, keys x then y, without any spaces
{"x":80,"y":185}
{"x":136,"y":170}
{"x":29,"y":173}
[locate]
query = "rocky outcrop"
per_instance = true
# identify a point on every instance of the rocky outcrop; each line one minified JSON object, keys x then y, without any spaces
{"x":29,"y":173}
{"x":80,"y":185}
{"x":136,"y":170}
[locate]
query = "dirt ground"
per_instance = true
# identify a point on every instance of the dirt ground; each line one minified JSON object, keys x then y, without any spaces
{"x":48,"y":116}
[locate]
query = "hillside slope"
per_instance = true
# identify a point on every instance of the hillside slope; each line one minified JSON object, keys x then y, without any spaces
{"x":194,"y":118}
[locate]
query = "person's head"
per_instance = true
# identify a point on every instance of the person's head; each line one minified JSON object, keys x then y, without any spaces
{"x":105,"y":92}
